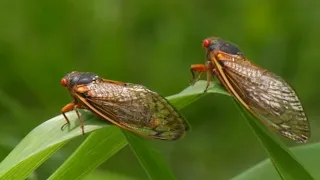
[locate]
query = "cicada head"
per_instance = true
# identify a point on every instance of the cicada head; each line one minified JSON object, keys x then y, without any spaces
{"x":79,"y":78}
{"x":218,"y":44}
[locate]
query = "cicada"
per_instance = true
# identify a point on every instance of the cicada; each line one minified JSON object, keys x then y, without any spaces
{"x":130,"y":106}
{"x":263,"y":93}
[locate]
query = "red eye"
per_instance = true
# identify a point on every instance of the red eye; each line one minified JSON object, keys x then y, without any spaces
{"x":206,"y":43}
{"x":64,"y":82}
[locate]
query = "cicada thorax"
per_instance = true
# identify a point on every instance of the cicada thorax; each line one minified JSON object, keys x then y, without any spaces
{"x":76,"y":83}
{"x":75,"y":78}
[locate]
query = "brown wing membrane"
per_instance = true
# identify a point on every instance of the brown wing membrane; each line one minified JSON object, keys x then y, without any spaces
{"x":136,"y":108}
{"x":270,"y":97}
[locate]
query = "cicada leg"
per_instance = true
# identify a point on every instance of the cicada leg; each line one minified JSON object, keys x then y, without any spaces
{"x":69,"y":107}
{"x":65,"y":109}
{"x":200,"y":68}
{"x":81,"y":121}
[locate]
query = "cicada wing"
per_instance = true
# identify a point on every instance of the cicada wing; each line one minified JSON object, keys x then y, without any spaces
{"x":141,"y":111}
{"x":269,"y":97}
{"x":114,"y":82}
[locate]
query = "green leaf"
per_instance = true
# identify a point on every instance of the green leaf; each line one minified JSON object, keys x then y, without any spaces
{"x":41,"y":143}
{"x":308,"y":155}
{"x":98,"y":147}
{"x":150,"y":159}
{"x":102,"y":174}
{"x":194,"y":92}
{"x":284,"y":161}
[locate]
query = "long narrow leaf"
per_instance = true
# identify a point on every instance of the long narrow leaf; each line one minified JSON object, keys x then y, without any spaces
{"x":150,"y":159}
{"x":284,"y":161}
{"x":41,"y":143}
{"x":98,"y":147}
{"x":308,"y":155}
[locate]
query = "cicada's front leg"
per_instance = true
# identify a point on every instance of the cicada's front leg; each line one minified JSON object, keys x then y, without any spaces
{"x":200,"y":68}
{"x":69,"y":107}
{"x":64,"y":110}
{"x":74,"y":106}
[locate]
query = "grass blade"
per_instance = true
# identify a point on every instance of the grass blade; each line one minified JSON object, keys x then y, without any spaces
{"x":283,"y":160}
{"x":308,"y":155}
{"x":98,"y":147}
{"x":151,"y":160}
{"x":41,"y":143}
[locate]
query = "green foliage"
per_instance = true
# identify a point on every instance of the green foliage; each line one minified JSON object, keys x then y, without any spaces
{"x":108,"y":140}
{"x":284,"y":162}
{"x":153,"y":43}
{"x":307,"y":155}
{"x":96,"y":149}
{"x":150,"y":159}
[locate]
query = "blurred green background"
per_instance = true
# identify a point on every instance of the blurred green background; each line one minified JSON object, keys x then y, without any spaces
{"x":153,"y":43}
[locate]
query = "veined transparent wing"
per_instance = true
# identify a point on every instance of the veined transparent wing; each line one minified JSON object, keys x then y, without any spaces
{"x":137,"y":109}
{"x":270,"y":97}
